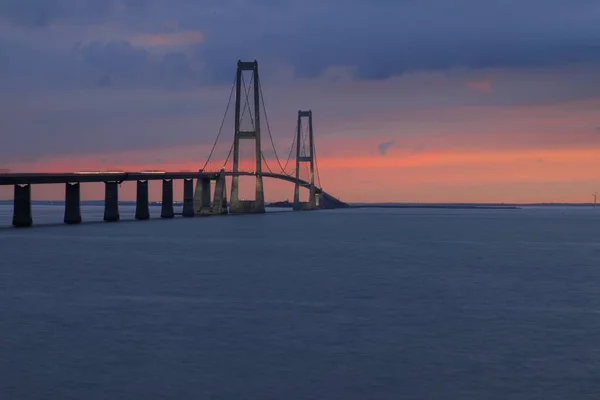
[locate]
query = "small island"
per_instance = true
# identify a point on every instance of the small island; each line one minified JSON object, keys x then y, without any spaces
{"x":280,"y":204}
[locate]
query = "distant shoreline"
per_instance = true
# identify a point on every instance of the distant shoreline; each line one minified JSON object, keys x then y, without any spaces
{"x":280,"y":204}
{"x":445,"y":206}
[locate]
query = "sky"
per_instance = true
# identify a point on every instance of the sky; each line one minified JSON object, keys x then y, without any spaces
{"x":416,"y":101}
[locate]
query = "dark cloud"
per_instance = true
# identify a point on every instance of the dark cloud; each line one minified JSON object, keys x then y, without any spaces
{"x":104,"y":81}
{"x":114,"y":57}
{"x":384,"y":147}
{"x":96,"y":64}
{"x":31,"y":14}
{"x":40,"y":13}
{"x":380,"y":38}
{"x":388,"y":38}
{"x":119,"y":63}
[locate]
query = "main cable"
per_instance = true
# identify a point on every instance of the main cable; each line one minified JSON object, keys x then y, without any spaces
{"x":269,"y":128}
{"x":291,"y":149}
{"x":221,"y":127}
{"x":316,"y":163}
{"x":246,"y":101}
{"x":314,"y":149}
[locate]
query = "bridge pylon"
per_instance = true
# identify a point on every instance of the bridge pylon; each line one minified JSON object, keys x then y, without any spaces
{"x":257,"y":205}
{"x":312,"y":202}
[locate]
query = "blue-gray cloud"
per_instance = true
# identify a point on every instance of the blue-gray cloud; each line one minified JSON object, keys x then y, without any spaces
{"x":41,"y":13}
{"x":387,"y":38}
{"x":122,"y":64}
{"x":380,"y":38}
{"x":384,"y":147}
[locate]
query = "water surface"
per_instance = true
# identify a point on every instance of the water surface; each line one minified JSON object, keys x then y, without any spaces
{"x":341,"y":304}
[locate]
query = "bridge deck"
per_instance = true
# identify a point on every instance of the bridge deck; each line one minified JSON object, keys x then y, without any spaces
{"x":121,"y":176}
{"x":86,"y":177}
{"x":83,"y":177}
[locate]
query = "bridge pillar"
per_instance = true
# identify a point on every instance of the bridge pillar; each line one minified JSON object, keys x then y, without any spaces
{"x":311,"y":204}
{"x":198,"y":196}
{"x":72,"y":203}
{"x":257,"y":205}
{"x":202,"y":197}
{"x":219,"y":205}
{"x":22,"y":206}
{"x":318,"y":200}
{"x":188,"y":198}
{"x":142,"y":208}
{"x":111,"y":201}
{"x":167,"y":199}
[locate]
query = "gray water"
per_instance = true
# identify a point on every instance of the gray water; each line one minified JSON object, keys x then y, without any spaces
{"x":341,"y":304}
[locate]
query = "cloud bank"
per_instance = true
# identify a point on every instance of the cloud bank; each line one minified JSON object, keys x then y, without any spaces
{"x":378,"y":39}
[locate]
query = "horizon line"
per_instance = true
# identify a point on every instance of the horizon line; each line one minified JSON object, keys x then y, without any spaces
{"x":351,"y":202}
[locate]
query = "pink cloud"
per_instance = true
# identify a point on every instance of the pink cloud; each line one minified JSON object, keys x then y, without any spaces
{"x":168,"y":39}
{"x":484,"y":85}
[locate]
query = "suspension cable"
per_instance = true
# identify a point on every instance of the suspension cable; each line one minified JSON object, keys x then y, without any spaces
{"x":228,"y":155}
{"x":269,"y":127}
{"x":266,"y":163}
{"x":243,"y":113}
{"x":247,"y":105}
{"x":291,"y":149}
{"x":221,"y":127}
{"x":304,"y":136}
{"x":316,"y":163}
{"x":304,"y":133}
{"x":246,"y":101}
{"x":246,"y":91}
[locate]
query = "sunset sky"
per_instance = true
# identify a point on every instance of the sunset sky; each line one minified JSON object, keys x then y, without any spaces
{"x":428,"y":101}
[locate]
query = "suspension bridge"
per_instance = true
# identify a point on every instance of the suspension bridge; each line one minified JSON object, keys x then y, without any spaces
{"x":201,"y":199}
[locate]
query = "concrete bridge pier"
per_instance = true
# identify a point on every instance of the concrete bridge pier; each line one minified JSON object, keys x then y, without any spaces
{"x":142,"y":209}
{"x":22,"y":206}
{"x":318,"y":200}
{"x":202,"y":197}
{"x":111,"y":201}
{"x":188,"y":198}
{"x":311,"y":204}
{"x":219,"y":206}
{"x":238,"y":206}
{"x":304,"y":206}
{"x":167,"y":199}
{"x":72,"y":203}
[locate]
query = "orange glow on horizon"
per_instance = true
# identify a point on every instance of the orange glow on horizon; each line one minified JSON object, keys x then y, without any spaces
{"x":527,"y":175}
{"x":441,"y":158}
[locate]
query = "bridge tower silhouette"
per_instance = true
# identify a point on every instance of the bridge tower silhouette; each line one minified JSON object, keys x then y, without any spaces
{"x":257,"y":205}
{"x":309,"y":158}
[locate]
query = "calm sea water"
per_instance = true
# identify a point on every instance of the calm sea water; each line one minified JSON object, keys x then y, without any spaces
{"x":341,"y":304}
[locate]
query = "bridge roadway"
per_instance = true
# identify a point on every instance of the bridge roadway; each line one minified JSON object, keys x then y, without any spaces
{"x":16,"y":179}
{"x":85,"y":177}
